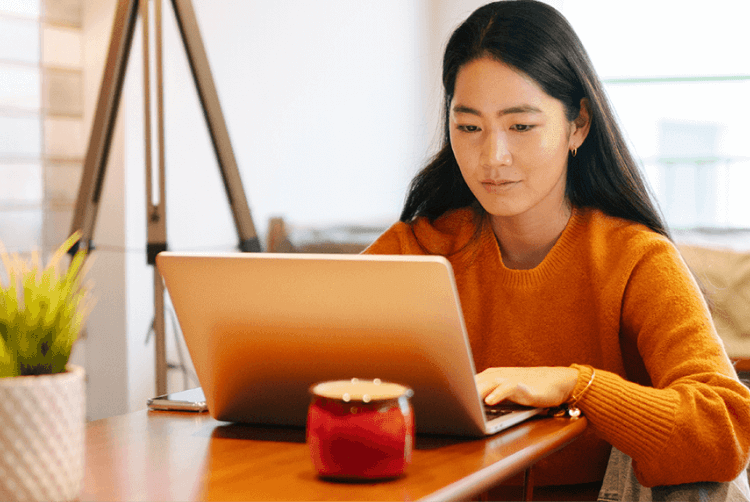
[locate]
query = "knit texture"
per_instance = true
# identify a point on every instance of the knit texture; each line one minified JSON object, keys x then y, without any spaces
{"x":617,"y":296}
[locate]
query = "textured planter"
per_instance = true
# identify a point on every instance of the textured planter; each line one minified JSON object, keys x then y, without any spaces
{"x":42,"y":420}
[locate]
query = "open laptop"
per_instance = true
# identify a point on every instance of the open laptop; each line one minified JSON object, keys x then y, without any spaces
{"x":262,"y":328}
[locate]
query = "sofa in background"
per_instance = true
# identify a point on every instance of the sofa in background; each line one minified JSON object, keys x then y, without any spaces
{"x":725,"y":275}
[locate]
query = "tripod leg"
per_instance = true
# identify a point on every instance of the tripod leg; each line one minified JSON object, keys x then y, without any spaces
{"x":156,"y":221}
{"x":217,"y":128}
{"x":160,"y":345}
{"x":94,"y":169}
{"x":156,"y":216}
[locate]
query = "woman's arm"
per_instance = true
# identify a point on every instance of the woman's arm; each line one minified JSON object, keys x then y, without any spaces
{"x":693,"y":423}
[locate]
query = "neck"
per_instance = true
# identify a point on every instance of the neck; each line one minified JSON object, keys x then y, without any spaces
{"x":526,"y":239}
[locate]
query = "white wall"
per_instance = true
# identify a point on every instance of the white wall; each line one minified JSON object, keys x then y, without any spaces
{"x":324,"y":106}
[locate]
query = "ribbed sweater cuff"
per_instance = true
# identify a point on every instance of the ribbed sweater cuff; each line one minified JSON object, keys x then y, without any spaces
{"x":583,"y":383}
{"x":636,"y":419}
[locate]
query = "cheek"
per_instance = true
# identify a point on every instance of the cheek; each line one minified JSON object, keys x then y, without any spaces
{"x":551,"y":151}
{"x":553,"y":142}
{"x":462,"y":151}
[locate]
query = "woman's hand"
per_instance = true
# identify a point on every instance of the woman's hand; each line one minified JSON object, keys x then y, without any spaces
{"x":542,"y":387}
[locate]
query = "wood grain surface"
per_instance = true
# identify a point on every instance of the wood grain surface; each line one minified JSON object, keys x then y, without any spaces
{"x":158,"y":455}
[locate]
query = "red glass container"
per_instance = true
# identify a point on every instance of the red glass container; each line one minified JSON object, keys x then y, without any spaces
{"x":360,"y":429}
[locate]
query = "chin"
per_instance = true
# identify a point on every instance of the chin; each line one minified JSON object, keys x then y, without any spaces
{"x":503,"y":210}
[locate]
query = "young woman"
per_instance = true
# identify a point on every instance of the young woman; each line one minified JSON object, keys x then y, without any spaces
{"x":572,"y":290}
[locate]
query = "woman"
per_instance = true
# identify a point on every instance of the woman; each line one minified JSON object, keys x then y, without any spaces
{"x":572,"y":290}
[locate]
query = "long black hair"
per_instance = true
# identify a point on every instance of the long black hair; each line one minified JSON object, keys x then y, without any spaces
{"x":537,"y":40}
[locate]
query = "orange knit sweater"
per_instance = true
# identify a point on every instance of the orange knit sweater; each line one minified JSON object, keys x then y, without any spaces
{"x":614,"y":295}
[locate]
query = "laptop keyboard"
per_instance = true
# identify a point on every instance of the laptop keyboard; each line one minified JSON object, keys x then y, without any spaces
{"x":500,"y":409}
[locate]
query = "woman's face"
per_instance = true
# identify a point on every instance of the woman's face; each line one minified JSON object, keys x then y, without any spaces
{"x":511,"y":140}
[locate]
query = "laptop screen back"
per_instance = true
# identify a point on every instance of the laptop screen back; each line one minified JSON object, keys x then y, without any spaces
{"x":262,"y":328}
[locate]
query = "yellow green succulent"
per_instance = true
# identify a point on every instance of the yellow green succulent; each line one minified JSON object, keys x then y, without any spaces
{"x":42,"y":311}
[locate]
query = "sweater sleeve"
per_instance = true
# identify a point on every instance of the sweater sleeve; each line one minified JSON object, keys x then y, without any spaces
{"x":693,"y":423}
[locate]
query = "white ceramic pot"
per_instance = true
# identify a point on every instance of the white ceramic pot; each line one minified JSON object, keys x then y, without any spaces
{"x":42,"y":421}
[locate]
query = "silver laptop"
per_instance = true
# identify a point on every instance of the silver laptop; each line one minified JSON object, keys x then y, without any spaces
{"x":262,"y":328}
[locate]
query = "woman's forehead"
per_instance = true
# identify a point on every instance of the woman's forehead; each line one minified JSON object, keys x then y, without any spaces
{"x":486,"y":85}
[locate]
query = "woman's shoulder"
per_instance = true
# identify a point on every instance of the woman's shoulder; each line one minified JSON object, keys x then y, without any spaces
{"x":616,"y":231}
{"x":445,"y":235}
{"x":614,"y":241}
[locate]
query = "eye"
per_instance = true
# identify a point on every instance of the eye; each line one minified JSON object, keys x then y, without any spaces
{"x":522,"y":127}
{"x":468,"y":128}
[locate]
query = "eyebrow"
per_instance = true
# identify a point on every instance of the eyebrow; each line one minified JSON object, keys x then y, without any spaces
{"x":506,"y":111}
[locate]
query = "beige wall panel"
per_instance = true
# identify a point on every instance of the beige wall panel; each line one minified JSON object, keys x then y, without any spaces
{"x":62,"y":47}
{"x":63,"y":92}
{"x":63,"y":137}
{"x":61,"y":182}
{"x":67,"y":12}
{"x":56,"y":226}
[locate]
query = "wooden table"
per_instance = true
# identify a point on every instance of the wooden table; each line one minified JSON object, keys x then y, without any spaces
{"x":158,"y":455}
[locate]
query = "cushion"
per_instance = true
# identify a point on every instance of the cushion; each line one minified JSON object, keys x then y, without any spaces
{"x":725,"y":276}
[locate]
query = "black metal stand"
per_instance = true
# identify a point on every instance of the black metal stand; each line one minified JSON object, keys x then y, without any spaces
{"x":92,"y":181}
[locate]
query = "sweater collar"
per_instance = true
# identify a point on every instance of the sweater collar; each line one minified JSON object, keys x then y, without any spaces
{"x":555,"y":261}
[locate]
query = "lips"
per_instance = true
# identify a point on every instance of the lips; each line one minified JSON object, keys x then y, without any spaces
{"x":498,"y":182}
{"x":498,"y":186}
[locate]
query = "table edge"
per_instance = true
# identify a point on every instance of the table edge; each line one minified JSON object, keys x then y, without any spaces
{"x":481,"y":481}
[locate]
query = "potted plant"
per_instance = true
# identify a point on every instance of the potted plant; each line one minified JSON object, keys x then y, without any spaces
{"x":42,"y":398}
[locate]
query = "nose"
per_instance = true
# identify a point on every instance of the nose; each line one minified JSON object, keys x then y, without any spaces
{"x":496,"y":151}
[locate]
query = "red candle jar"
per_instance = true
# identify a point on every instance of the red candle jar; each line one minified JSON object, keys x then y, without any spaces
{"x":360,"y":429}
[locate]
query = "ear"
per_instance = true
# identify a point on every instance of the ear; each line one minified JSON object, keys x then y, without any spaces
{"x":581,"y":125}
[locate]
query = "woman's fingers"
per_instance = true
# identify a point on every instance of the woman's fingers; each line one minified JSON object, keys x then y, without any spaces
{"x":540,"y":386}
{"x":488,"y":380}
{"x":494,"y":387}
{"x":485,"y":385}
{"x":505,"y":390}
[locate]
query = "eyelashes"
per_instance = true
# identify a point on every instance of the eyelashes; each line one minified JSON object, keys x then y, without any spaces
{"x":514,"y":127}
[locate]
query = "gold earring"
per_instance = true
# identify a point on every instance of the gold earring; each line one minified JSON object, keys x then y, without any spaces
{"x":574,"y":151}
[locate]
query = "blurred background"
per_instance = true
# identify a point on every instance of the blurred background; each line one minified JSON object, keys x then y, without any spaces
{"x":332,"y":106}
